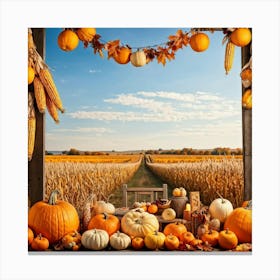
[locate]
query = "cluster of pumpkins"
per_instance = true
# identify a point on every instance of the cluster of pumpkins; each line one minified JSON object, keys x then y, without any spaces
{"x":55,"y":224}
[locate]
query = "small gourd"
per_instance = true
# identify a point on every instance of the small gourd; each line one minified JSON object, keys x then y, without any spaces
{"x":95,"y":239}
{"x":120,"y":240}
{"x":138,"y":58}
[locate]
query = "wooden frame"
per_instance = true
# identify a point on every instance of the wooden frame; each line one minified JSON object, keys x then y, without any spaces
{"x":36,"y":171}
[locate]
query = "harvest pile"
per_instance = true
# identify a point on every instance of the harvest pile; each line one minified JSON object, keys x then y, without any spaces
{"x":55,"y":225}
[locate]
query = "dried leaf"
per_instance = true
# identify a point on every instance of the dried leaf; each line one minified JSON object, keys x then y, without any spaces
{"x":112,"y":47}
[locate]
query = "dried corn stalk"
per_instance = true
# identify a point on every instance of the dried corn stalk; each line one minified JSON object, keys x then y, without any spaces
{"x":31,"y":126}
{"x":40,"y":95}
{"x":229,"y":56}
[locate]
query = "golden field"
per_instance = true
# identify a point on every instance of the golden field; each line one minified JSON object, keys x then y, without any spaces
{"x":206,"y":176}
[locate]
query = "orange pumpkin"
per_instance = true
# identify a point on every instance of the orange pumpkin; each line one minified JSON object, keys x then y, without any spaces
{"x":196,"y":242}
{"x":137,"y":243}
{"x":152,"y":209}
{"x":240,"y":222}
{"x":176,"y":229}
{"x":86,"y":34}
{"x":107,"y":222}
{"x":72,"y":240}
{"x":241,"y":37}
{"x":187,"y":237}
{"x":53,"y":219}
{"x":171,"y":242}
{"x":199,"y":42}
{"x":68,"y":40}
{"x":227,"y":239}
{"x":212,"y":237}
{"x":246,"y":74}
{"x":123,"y":55}
{"x":40,"y":243}
{"x":30,"y":235}
{"x":247,"y":99}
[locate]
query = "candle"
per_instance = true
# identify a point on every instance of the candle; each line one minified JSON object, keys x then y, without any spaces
{"x":188,"y":207}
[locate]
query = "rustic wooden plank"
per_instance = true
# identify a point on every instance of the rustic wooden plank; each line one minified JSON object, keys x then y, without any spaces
{"x":36,"y":170}
{"x":247,"y":135}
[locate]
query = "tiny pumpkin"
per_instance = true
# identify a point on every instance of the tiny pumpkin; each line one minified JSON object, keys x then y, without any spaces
{"x":105,"y":221}
{"x":154,"y":240}
{"x":220,"y":208}
{"x":40,"y":243}
{"x":241,"y":37}
{"x":71,"y":240}
{"x":247,"y":99}
{"x":30,"y":235}
{"x":199,"y":42}
{"x":138,"y":58}
{"x":137,"y":243}
{"x":179,"y":192}
{"x":120,"y":240}
{"x":68,"y":40}
{"x":246,"y":76}
{"x":168,"y":214}
{"x":122,"y":55}
{"x":171,"y":242}
{"x":176,"y":229}
{"x":86,"y":34}
{"x":227,"y":239}
{"x":212,"y":237}
{"x":102,"y":206}
{"x":95,"y":239}
{"x":187,"y":237}
{"x":152,"y":209}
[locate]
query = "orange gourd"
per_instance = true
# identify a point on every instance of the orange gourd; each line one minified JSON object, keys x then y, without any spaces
{"x":40,"y":243}
{"x":152,"y":209}
{"x":86,"y":34}
{"x":171,"y":242}
{"x":227,"y":239}
{"x":187,"y":237}
{"x":123,"y":55}
{"x":199,"y":42}
{"x":30,"y":235}
{"x":68,"y":40}
{"x":54,"y":218}
{"x":247,"y":99}
{"x":212,"y":237}
{"x":107,"y":222}
{"x":241,"y":37}
{"x":176,"y":229}
{"x":137,"y":243}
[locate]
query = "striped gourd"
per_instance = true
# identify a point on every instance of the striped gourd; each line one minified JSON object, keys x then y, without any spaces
{"x":52,"y":109}
{"x":229,"y":56}
{"x":50,"y":87}
{"x":31,"y":126}
{"x":40,"y":95}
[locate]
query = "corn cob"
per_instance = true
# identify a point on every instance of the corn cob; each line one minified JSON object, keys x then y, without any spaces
{"x":49,"y":85}
{"x":40,"y":95}
{"x":52,"y":109}
{"x":229,"y":56}
{"x":31,"y":126}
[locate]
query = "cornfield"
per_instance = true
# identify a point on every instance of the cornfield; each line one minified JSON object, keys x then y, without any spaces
{"x":76,"y":181}
{"x":207,"y":177}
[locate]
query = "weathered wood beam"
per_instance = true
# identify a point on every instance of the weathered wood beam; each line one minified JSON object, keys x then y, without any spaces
{"x":247,"y":134}
{"x":36,"y":167}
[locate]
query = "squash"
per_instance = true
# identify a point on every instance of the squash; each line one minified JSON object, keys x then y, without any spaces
{"x":40,"y":243}
{"x":215,"y":224}
{"x":227,"y":239}
{"x":241,"y":37}
{"x":154,"y":240}
{"x":168,"y":214}
{"x":105,"y":221}
{"x":71,"y":240}
{"x":176,"y":229}
{"x":31,"y":75}
{"x":53,"y":219}
{"x":179,"y":192}
{"x":212,"y":237}
{"x":102,"y":206}
{"x":30,"y":235}
{"x":137,"y":222}
{"x":137,"y":243}
{"x":246,"y":76}
{"x":199,"y":42}
{"x":138,"y":58}
{"x":123,"y":55}
{"x":86,"y":34}
{"x":171,"y":242}
{"x":187,"y":237}
{"x":120,"y":240}
{"x":68,"y":40}
{"x":95,"y":239}
{"x":240,"y":222}
{"x":247,"y":99}
{"x":152,"y":209}
{"x":220,"y":208}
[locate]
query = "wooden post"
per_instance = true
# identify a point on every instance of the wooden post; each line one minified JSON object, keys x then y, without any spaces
{"x":247,"y":135}
{"x":36,"y":170}
{"x":125,"y":195}
{"x":165,"y":191}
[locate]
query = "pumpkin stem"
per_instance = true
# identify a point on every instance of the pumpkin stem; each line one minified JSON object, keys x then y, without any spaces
{"x":106,"y":216}
{"x":227,"y":230}
{"x":53,"y":197}
{"x":220,"y":196}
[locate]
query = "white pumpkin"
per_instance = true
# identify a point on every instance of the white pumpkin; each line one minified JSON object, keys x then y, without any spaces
{"x":102,"y":206}
{"x":168,"y":214}
{"x":220,"y":208}
{"x":120,"y":240}
{"x":137,"y":222}
{"x":95,"y":239}
{"x":138,"y":58}
{"x":215,"y":224}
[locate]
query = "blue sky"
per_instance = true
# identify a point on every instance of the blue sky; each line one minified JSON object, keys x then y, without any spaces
{"x":190,"y":102}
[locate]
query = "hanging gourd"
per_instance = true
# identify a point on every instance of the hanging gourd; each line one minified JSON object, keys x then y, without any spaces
{"x":247,"y":99}
{"x":31,"y":75}
{"x":68,"y":40}
{"x":199,"y":42}
{"x":122,"y":55}
{"x":241,"y":37}
{"x":138,"y":58}
{"x":86,"y":34}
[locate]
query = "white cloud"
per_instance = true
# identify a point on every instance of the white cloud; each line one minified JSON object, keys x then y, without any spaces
{"x":98,"y":130}
{"x":93,"y":71}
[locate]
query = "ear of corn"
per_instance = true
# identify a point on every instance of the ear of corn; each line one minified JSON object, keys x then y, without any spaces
{"x":50,"y":87}
{"x":52,"y":109}
{"x":40,"y":95}
{"x":229,"y":56}
{"x":31,"y":126}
